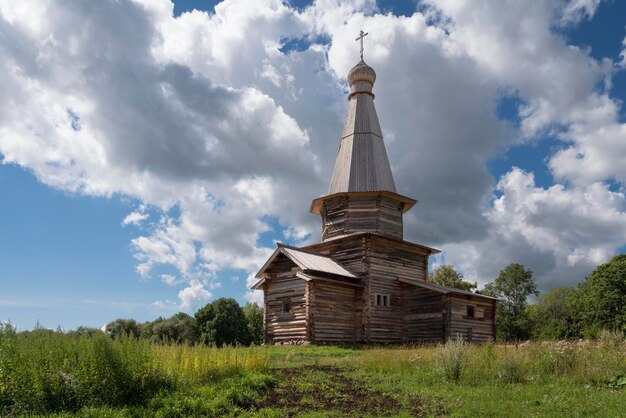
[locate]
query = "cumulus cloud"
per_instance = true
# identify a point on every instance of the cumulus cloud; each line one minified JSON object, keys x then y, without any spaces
{"x":192,"y":295}
{"x":204,"y":114}
{"x":563,"y":233}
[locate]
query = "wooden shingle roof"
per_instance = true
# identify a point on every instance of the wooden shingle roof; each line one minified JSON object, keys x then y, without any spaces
{"x":362,"y":164}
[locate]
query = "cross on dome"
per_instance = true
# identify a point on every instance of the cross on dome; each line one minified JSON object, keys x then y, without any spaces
{"x":360,"y":38}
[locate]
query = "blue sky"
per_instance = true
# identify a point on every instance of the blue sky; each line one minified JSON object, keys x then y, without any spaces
{"x":67,"y":259}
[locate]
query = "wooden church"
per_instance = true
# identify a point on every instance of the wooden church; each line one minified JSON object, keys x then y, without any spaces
{"x":364,"y":283}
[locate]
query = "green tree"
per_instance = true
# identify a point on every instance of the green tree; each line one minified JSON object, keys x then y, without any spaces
{"x":222,"y":322}
{"x":512,"y":286}
{"x":600,"y":300}
{"x":446,"y":275}
{"x":85,"y":332}
{"x":254,"y":320}
{"x":179,"y":328}
{"x":553,"y":316}
{"x":120,"y":327}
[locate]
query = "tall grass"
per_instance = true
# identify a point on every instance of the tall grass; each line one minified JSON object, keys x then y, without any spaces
{"x":452,"y":357}
{"x":44,"y":371}
{"x":201,"y":364}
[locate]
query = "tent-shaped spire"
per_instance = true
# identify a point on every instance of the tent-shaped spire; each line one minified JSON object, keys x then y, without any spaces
{"x":362,"y":164}
{"x":362,"y":196}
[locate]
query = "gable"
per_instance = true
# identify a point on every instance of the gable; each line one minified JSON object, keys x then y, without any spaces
{"x":305,"y":261}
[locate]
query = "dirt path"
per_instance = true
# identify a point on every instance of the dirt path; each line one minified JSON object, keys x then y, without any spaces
{"x":327,"y":388}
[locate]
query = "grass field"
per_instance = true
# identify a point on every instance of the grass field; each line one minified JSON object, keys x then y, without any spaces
{"x":48,"y":373}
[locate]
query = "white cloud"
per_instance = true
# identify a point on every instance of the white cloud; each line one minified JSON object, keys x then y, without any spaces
{"x":135,"y":218}
{"x":192,"y":295}
{"x":576,"y":10}
{"x":203,"y":114}
{"x":253,"y":296}
{"x":168,"y":279}
{"x":563,"y":233}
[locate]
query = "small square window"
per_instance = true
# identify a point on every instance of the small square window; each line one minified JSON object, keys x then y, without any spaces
{"x":379,"y":300}
{"x":470,"y":311}
{"x":385,"y":300}
{"x":286,"y":306}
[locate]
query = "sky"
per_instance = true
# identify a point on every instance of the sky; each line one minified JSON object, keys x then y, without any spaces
{"x":153,"y":152}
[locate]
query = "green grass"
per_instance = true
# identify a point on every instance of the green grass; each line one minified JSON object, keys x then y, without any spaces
{"x":51,"y":374}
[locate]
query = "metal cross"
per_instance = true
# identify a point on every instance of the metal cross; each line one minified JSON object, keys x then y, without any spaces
{"x":360,"y":38}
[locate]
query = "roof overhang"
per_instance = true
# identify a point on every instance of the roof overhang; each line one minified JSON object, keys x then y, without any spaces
{"x":306,"y":260}
{"x":316,"y":205}
{"x":309,"y":276}
{"x":409,"y":244}
{"x":443,"y":289}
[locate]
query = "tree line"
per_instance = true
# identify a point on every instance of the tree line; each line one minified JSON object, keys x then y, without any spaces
{"x":596,"y":304}
{"x":221,"y":322}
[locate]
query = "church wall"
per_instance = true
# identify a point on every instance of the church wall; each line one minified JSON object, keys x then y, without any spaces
{"x":424,"y":318}
{"x":346,"y":214}
{"x":480,"y":328}
{"x":389,"y":260}
{"x":335,"y":313}
{"x":348,"y":252}
{"x":282,"y":324}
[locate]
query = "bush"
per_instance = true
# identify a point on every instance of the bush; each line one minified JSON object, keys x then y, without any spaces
{"x":452,"y":357}
{"x":510,"y":371}
{"x":611,"y":338}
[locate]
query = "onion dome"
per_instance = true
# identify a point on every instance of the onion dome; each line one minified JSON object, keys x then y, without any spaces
{"x":361,"y":72}
{"x":361,"y":79}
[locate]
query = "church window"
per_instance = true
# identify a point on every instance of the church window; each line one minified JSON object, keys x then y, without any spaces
{"x":286,"y":306}
{"x":470,"y":311}
{"x":382,"y":300}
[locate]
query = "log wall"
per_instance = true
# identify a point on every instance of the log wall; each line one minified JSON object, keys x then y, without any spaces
{"x":479,"y":329}
{"x":389,"y":260}
{"x":285,"y":327}
{"x":348,"y":251}
{"x":335,"y":313}
{"x":424,"y":318}
{"x":347,"y":214}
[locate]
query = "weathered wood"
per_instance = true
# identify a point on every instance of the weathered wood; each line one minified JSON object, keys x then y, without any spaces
{"x":479,"y":329}
{"x":349,"y":213}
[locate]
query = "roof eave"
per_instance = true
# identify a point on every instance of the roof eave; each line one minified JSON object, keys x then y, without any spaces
{"x":316,"y":205}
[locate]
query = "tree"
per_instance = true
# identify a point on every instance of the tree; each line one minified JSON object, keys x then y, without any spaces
{"x":222,"y":322}
{"x":178,"y":329}
{"x":512,"y":286}
{"x":600,"y":300}
{"x":85,"y":332}
{"x":446,"y":275}
{"x":553,"y":316}
{"x":254,"y":320}
{"x":123,"y":327}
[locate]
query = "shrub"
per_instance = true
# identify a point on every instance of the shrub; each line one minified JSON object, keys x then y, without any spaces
{"x":452,"y":357}
{"x":611,"y":338}
{"x":510,"y":370}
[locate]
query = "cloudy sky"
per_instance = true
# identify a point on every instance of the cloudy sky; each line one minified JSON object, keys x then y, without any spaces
{"x":152,"y":152}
